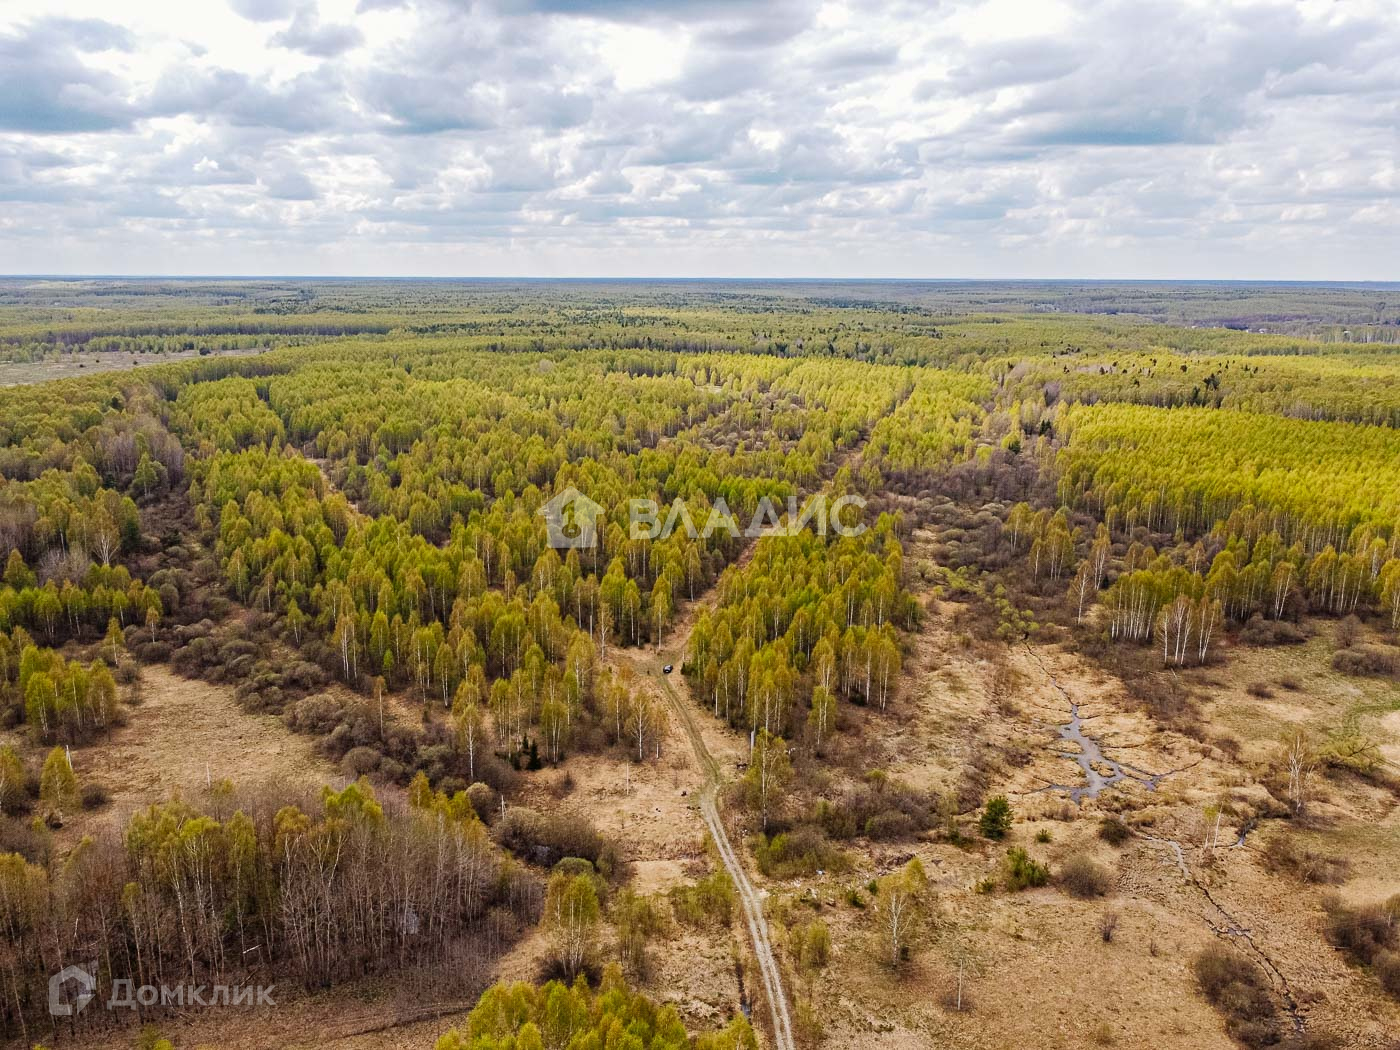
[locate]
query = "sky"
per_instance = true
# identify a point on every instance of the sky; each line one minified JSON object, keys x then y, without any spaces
{"x":577,"y":138}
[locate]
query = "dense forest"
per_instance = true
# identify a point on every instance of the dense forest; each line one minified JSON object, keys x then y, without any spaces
{"x":342,"y":520}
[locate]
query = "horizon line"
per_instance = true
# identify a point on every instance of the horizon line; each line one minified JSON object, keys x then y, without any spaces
{"x":614,"y":278}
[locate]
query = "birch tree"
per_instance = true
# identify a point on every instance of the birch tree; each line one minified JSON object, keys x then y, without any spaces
{"x":571,"y":917}
{"x":900,"y":906}
{"x":768,"y":776}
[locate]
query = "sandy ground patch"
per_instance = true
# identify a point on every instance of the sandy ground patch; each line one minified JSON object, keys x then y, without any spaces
{"x":651,"y":809}
{"x":23,"y":373}
{"x":1390,"y":728}
{"x":1306,"y":692}
{"x":185,"y":732}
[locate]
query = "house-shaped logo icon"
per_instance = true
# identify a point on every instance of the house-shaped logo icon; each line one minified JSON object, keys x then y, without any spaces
{"x":572,"y":520}
{"x":71,"y":989}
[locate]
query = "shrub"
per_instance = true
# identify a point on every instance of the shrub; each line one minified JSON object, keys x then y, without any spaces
{"x":546,"y":839}
{"x":151,"y":1039}
{"x":813,"y":945}
{"x":1363,"y":931}
{"x":835,"y":819}
{"x":94,"y":796}
{"x":802,"y":851}
{"x":1259,"y":631}
{"x":149,"y":652}
{"x":485,"y":801}
{"x":890,"y":824}
{"x":1108,"y":925}
{"x":1283,"y":855}
{"x":436,"y":760}
{"x":359,"y":761}
{"x":1348,"y":632}
{"x":317,"y":714}
{"x":995,"y":821}
{"x":807,"y":1020}
{"x":303,"y":675}
{"x":710,"y":902}
{"x":1113,"y":831}
{"x":1237,"y":987}
{"x":1366,"y":660}
{"x":1084,"y":879}
{"x":1228,"y":745}
{"x":1312,"y":1041}
{"x":1386,"y":967}
{"x":572,"y":866}
{"x":878,"y":809}
{"x":1023,"y":872}
{"x":30,"y":841}
{"x":1165,"y":697}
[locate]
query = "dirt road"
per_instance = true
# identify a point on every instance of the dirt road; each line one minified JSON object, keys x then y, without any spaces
{"x":748,"y":896}
{"x":678,"y":696}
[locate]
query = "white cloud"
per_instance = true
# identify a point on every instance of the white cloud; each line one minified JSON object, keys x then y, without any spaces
{"x":843,"y":138}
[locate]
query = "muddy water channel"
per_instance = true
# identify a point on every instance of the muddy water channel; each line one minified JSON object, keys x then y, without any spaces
{"x":1100,"y":771}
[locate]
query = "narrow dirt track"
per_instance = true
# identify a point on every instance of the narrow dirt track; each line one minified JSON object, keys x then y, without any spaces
{"x":748,"y":897}
{"x":684,"y":709}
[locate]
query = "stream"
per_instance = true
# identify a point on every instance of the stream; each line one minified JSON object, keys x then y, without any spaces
{"x":1090,"y":757}
{"x":1092,"y":760}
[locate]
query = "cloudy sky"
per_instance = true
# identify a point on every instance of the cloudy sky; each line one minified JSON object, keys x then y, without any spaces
{"x":1049,"y":138}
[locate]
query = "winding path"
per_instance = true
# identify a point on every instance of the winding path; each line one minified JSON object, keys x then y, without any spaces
{"x":684,"y":709}
{"x":748,"y":897}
